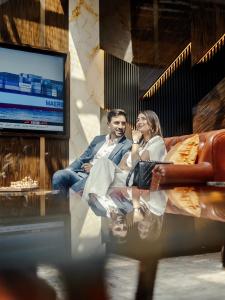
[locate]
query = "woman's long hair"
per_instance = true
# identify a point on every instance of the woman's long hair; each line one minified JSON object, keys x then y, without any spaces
{"x":153,"y":120}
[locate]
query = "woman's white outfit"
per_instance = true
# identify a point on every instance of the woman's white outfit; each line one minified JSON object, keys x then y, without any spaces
{"x":105,"y":174}
{"x":155,"y":201}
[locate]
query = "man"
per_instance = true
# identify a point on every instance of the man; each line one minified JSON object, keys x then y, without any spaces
{"x":113,"y":146}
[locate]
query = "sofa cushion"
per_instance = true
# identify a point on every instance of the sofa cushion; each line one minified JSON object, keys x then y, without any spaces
{"x":184,"y":152}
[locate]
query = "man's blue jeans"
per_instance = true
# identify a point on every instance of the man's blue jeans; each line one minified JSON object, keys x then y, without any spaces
{"x":63,"y":179}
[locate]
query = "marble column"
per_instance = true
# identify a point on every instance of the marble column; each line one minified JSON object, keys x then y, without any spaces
{"x":87,"y":74}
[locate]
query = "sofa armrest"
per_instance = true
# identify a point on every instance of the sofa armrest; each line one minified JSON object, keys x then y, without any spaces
{"x":170,"y":174}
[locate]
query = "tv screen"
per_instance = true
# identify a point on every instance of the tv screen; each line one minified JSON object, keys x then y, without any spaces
{"x":32,"y":88}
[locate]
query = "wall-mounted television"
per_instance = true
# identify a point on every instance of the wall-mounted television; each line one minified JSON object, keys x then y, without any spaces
{"x":32,"y":90}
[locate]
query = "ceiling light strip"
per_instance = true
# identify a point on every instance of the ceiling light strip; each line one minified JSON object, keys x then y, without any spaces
{"x":169,"y":71}
{"x":213,"y":50}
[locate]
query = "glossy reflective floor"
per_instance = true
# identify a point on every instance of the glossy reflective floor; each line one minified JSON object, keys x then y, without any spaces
{"x":193,"y":277}
{"x":76,"y":237}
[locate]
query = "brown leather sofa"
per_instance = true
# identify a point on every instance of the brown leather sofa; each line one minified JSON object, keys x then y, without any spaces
{"x":209,"y":166}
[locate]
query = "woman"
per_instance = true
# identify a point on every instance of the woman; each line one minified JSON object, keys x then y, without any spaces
{"x":147,"y":144}
{"x":155,"y":205}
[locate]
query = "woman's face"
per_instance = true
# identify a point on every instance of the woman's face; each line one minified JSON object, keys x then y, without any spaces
{"x":142,"y":124}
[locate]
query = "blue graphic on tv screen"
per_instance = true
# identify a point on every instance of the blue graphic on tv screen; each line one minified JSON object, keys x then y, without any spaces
{"x":31,"y":102}
{"x":31,"y":84}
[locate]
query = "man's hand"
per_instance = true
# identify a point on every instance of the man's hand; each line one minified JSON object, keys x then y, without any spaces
{"x":87,"y":167}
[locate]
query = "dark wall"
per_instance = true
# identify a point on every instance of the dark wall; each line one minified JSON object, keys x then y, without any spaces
{"x":121,"y":86}
{"x":178,"y":98}
{"x":160,"y":31}
{"x":173,"y":101}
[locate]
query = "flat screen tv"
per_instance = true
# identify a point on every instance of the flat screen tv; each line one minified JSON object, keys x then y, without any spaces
{"x":32,"y":90}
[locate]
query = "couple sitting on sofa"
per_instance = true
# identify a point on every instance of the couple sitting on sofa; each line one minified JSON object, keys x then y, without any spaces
{"x":108,"y":159}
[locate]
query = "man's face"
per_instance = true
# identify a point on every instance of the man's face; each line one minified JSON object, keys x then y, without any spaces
{"x":119,"y":227}
{"x":117,"y":126}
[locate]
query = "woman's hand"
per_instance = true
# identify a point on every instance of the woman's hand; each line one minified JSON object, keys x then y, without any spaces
{"x":136,"y":136}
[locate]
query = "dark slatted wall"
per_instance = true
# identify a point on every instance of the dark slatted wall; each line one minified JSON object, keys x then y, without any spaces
{"x":173,"y":100}
{"x":208,"y":72}
{"x":121,"y":86}
{"x":176,"y":99}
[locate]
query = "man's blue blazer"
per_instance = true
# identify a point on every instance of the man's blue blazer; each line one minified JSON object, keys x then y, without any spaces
{"x":118,"y":152}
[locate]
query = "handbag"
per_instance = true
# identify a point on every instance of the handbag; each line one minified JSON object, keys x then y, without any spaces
{"x":142,"y":171}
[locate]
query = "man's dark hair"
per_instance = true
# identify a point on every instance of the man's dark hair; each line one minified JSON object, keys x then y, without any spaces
{"x":115,"y":113}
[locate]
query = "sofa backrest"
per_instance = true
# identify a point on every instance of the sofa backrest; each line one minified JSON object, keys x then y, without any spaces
{"x":211,"y":149}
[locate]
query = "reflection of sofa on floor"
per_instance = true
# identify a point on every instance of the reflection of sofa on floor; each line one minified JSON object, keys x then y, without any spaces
{"x":209,"y":166}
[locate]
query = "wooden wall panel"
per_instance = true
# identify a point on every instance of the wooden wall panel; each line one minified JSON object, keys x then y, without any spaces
{"x":207,"y":25}
{"x":57,"y":153}
{"x":210,"y":111}
{"x":19,"y":157}
{"x":56,"y":25}
{"x":160,"y":31}
{"x":20,"y":22}
{"x":23,"y":22}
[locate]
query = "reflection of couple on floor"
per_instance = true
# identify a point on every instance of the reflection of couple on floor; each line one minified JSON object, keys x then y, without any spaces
{"x":128,"y":207}
{"x":107,"y":160}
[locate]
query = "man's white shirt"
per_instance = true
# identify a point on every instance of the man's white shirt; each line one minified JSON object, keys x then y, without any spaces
{"x":106,"y":149}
